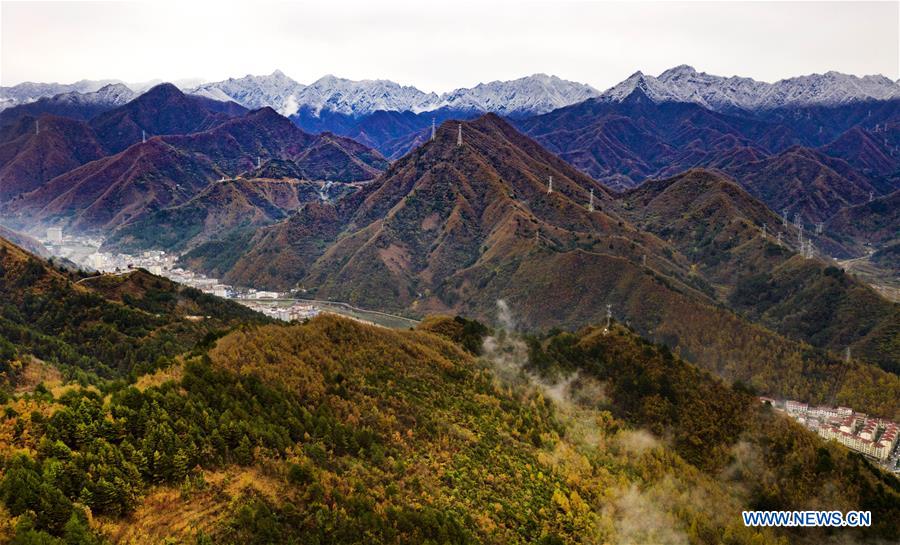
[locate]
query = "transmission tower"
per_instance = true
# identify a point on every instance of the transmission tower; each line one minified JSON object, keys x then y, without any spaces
{"x":591,"y":201}
{"x":433,"y":129}
{"x":550,"y":186}
{"x":459,"y":136}
{"x":819,"y":228}
{"x":143,"y":136}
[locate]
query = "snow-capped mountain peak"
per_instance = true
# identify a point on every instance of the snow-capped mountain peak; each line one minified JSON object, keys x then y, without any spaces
{"x":682,"y":70}
{"x":275,"y":90}
{"x":350,"y":97}
{"x":535,"y":94}
{"x":113,"y":94}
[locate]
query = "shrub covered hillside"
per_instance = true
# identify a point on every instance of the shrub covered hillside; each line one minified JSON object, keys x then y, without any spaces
{"x":100,"y":327}
{"x":338,"y":432}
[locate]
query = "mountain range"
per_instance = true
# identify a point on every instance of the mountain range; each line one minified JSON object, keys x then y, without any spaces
{"x":534,"y":94}
{"x":24,"y":93}
{"x":712,"y":220}
{"x":685,"y":84}
{"x":452,"y":228}
{"x":602,"y":290}
{"x":31,"y":155}
{"x":74,"y":104}
{"x":530,"y":95}
{"x":113,"y":169}
{"x":792,"y":163}
{"x":343,"y":106}
{"x":340,"y":105}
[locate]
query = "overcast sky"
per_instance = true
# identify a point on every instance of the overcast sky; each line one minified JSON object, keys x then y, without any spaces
{"x":438,"y":46}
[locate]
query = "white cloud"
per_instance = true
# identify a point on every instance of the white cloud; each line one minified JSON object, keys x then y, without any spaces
{"x":439,"y":46}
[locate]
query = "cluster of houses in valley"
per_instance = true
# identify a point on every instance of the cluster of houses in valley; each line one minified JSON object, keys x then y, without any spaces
{"x":86,"y":253}
{"x":876,"y":438}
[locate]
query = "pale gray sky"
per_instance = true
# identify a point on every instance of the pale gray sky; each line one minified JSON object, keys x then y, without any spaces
{"x":438,"y":46}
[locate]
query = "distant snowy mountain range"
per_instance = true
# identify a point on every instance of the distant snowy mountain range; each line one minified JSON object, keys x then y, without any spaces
{"x":27,"y":92}
{"x":684,"y":84}
{"x":540,"y":93}
{"x":108,"y":92}
{"x":530,"y":95}
{"x":525,"y":96}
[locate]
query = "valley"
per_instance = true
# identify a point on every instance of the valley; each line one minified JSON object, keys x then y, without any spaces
{"x":87,"y":254}
{"x":884,"y":280}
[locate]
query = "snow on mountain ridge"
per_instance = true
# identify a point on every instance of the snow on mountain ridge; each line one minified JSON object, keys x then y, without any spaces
{"x":77,"y":104}
{"x":362,"y":97}
{"x":684,"y":84}
{"x":539,"y":93}
{"x":27,"y":92}
{"x":535,"y":94}
{"x":114,"y":94}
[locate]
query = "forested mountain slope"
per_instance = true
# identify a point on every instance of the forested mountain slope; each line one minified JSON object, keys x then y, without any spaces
{"x":711,"y":219}
{"x":339,"y":432}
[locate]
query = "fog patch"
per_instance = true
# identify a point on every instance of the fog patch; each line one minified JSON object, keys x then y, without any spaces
{"x":638,"y":521}
{"x":561,"y":391}
{"x":290,"y":106}
{"x":636,"y":442}
{"x":747,"y":468}
{"x":507,"y":352}
{"x":588,"y":391}
{"x":638,"y":517}
{"x":505,"y":316}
